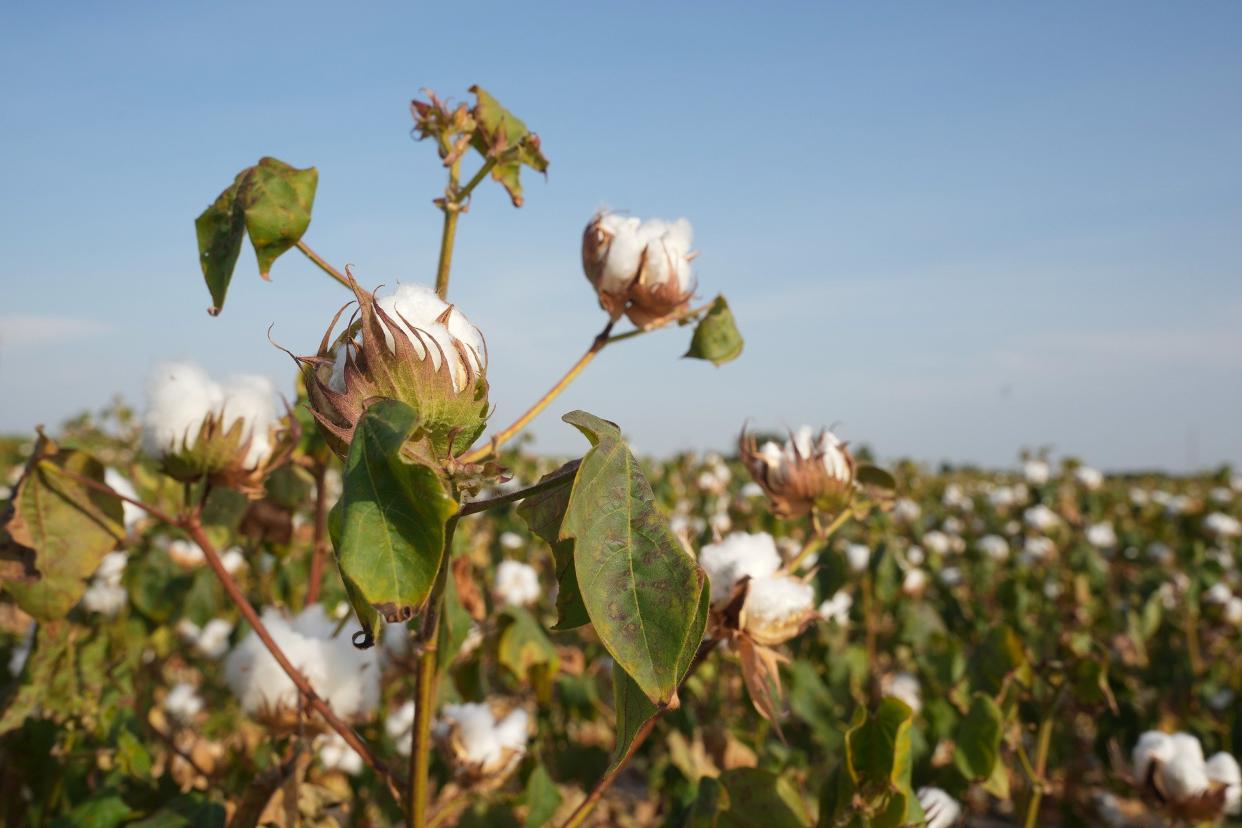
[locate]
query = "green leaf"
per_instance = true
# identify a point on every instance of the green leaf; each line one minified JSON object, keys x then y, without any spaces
{"x":875,"y":477}
{"x":978,"y":738}
{"x":277,"y":201}
{"x":1000,"y":655}
{"x":633,"y":710}
{"x":103,"y":810}
{"x":716,"y":337}
{"x":504,"y":138}
{"x":191,"y":810}
{"x":878,"y":748}
{"x":220,"y":229}
{"x":544,"y":512}
{"x":541,"y":797}
{"x":270,"y":201}
{"x":644,"y":594}
{"x":710,"y":800}
{"x":392,"y":521}
{"x":68,"y":525}
{"x":760,"y":797}
{"x":523,"y":646}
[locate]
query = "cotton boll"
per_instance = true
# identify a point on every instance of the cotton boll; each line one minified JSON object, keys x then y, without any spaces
{"x":737,"y":556}
{"x":1185,"y":775}
{"x":1089,"y":478}
{"x":335,"y":754}
{"x":1223,"y":769}
{"x":1233,"y":611}
{"x":104,"y":598}
{"x":251,"y":399}
{"x":906,"y":510}
{"x":186,"y":553}
{"x":1152,"y":746}
{"x":1218,"y":593}
{"x":940,"y":809}
{"x":837,"y":608}
{"x":751,"y":490}
{"x":180,"y":396}
{"x":1102,"y":535}
{"x":1036,"y":472}
{"x":398,"y":725}
{"x":776,"y":608}
{"x":417,"y":309}
{"x":112,"y":567}
{"x":511,"y":541}
{"x":481,"y":745}
{"x":1038,"y":549}
{"x":857,"y":556}
{"x":517,"y":584}
{"x":347,"y":678}
{"x":995,"y":547}
{"x":183,"y":702}
{"x":233,"y":560}
{"x":937,"y":542}
{"x":951,"y":576}
{"x":213,"y":640}
{"x":512,"y":731}
{"x":1222,"y":525}
{"x":906,"y":687}
{"x":1041,"y":517}
{"x":914,"y":582}
{"x":117,"y":482}
{"x":915,"y":556}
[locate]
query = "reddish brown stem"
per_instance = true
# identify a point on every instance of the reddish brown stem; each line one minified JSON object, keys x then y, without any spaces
{"x":578,"y":817}
{"x":194,"y":528}
{"x":319,"y":553}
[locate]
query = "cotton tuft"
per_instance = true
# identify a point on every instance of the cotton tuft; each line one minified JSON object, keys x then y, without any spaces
{"x":737,"y":556}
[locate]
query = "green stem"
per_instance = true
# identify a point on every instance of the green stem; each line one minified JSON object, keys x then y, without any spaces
{"x":452,"y":209}
{"x":477,"y":506}
{"x":818,"y":538}
{"x":321,"y":264}
{"x":464,"y":192}
{"x":425,"y":692}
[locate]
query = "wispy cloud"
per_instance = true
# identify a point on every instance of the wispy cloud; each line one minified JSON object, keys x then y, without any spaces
{"x":20,"y":330}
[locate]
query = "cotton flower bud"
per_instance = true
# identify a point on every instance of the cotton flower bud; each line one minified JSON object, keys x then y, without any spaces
{"x":230,"y":433}
{"x":639,"y":268}
{"x":776,"y":609}
{"x":482,"y":742}
{"x":808,"y":473}
{"x":410,"y":346}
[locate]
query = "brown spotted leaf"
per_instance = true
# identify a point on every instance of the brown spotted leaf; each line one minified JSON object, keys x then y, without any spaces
{"x":643,"y":592}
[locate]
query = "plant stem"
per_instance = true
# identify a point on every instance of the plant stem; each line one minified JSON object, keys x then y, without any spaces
{"x":1043,"y":742}
{"x":476,"y":506}
{"x":324,"y":266}
{"x":319,"y":552}
{"x":194,"y":528}
{"x":419,"y":787}
{"x":464,"y":193}
{"x":578,"y":817}
{"x":818,"y":538}
{"x":451,"y":208}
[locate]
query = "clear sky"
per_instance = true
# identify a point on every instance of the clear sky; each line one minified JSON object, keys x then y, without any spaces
{"x":955,"y":230}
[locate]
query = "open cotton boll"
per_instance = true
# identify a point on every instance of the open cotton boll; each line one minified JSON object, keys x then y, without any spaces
{"x":1089,"y":478}
{"x":737,"y":556}
{"x":777,"y":599}
{"x":213,"y":640}
{"x":906,"y":687}
{"x":186,"y":553}
{"x":104,"y":597}
{"x":1102,"y":535}
{"x":1223,"y":769}
{"x":939,"y":809}
{"x":517,"y":584}
{"x":837,"y":608}
{"x":511,"y":541}
{"x":335,"y":754}
{"x":914,"y":581}
{"x":183,"y":702}
{"x":1222,"y":525}
{"x":1152,"y":746}
{"x":1183,"y":776}
{"x":117,"y":482}
{"x":251,"y":399}
{"x":112,"y":567}
{"x":1041,"y":517}
{"x":937,"y":542}
{"x":857,"y":556}
{"x":994,"y":546}
{"x":482,"y":745}
{"x":233,"y":560}
{"x":1036,"y":472}
{"x":346,"y":677}
{"x":398,"y":725}
{"x":180,"y":396}
{"x":417,"y":308}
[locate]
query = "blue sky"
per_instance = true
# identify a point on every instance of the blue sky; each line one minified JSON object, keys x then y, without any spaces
{"x":955,"y":230}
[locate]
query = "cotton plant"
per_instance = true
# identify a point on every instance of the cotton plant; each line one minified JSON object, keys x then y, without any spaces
{"x":1171,"y":768}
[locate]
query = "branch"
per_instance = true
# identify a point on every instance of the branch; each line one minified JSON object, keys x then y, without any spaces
{"x":90,"y":483}
{"x":319,"y":552}
{"x":476,"y":506}
{"x":324,"y":266}
{"x":192,"y":526}
{"x":578,"y":817}
{"x":601,"y":341}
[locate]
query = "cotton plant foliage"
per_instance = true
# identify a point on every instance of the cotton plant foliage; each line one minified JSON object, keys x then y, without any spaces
{"x":357,"y":596}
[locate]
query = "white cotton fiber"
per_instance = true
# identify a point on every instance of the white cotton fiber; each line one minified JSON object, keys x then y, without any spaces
{"x":735,"y":557}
